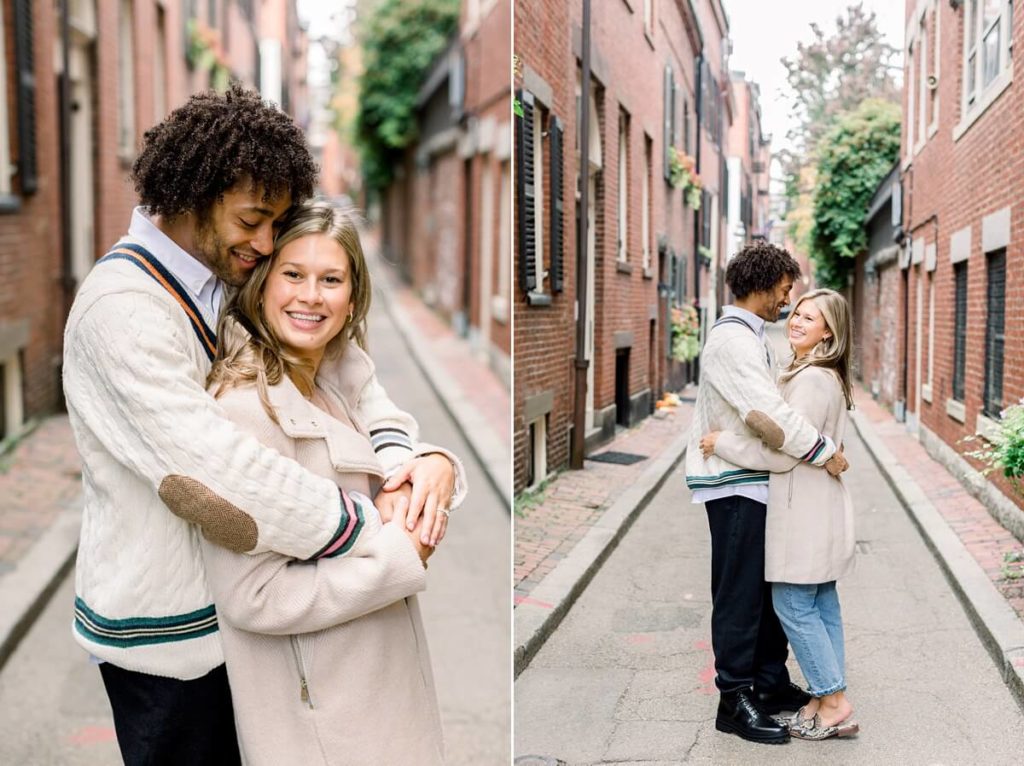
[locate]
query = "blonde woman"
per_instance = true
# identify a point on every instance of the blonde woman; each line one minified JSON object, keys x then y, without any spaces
{"x":809,"y":537}
{"x":327,"y":661}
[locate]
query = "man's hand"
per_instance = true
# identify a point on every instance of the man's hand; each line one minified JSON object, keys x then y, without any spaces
{"x":400,"y":517}
{"x":387,"y":502}
{"x":836,"y":464}
{"x":707,"y":443}
{"x":433,"y":481}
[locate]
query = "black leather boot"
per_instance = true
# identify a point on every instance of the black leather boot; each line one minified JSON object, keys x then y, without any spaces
{"x":739,"y":715}
{"x":788,"y":697}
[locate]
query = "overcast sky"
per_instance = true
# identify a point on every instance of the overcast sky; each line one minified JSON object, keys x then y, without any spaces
{"x":763,"y":33}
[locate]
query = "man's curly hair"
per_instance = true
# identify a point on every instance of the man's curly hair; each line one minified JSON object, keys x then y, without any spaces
{"x":215,"y":140}
{"x":758,"y":267}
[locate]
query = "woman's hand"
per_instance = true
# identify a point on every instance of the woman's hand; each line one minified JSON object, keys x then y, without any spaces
{"x":400,"y":510}
{"x":433,"y":480}
{"x":387,"y":502}
{"x":707,"y":443}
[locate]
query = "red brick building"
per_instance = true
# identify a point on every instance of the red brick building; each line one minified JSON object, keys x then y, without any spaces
{"x":656,"y":83}
{"x":446,"y":216}
{"x":961,"y":359}
{"x":69,"y":133}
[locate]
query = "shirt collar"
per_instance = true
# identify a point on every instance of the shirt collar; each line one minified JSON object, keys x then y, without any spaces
{"x":752,"y":319}
{"x":186,"y":269}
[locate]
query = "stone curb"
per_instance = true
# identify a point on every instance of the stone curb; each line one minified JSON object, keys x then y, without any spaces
{"x":537,"y":617}
{"x":26,"y":589}
{"x":995,"y":621}
{"x":489,"y":450}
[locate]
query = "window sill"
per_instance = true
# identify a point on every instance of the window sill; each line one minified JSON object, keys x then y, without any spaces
{"x":648,"y":272}
{"x":9,"y":203}
{"x":988,"y":97}
{"x":926,"y":393}
{"x":538,"y":299}
{"x":623,"y":267}
{"x":499,"y":309}
{"x":987,"y":428}
{"x":956,"y":410}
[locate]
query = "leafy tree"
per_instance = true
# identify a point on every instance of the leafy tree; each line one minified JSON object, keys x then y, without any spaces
{"x":400,"y":40}
{"x":853,"y":157}
{"x":831,"y":75}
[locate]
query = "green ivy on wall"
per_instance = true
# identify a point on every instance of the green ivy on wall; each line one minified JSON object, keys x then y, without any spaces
{"x":852,"y":159}
{"x":400,"y":40}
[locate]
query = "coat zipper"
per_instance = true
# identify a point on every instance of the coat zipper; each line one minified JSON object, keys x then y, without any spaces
{"x":301,"y":666}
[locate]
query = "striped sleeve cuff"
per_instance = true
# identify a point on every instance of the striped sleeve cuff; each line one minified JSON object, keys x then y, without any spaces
{"x":350,"y":526}
{"x":822,"y":446}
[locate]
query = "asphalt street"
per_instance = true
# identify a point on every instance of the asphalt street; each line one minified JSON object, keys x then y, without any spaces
{"x":54,"y":710}
{"x":628,"y":677}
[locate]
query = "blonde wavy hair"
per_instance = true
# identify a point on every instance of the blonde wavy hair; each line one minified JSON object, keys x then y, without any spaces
{"x":261,"y":360}
{"x":833,"y":353}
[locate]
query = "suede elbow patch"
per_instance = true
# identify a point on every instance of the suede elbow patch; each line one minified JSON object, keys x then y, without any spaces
{"x":766,"y":428}
{"x":223,"y":523}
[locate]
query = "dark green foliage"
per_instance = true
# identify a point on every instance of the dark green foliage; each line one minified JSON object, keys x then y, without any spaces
{"x":400,"y":40}
{"x":853,"y":157}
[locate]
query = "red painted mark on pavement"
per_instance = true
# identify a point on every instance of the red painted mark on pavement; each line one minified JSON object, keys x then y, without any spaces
{"x":707,"y":675}
{"x":534,"y":602}
{"x":639,"y":638}
{"x":1018,"y":662}
{"x":701,"y":645}
{"x":90,"y":735}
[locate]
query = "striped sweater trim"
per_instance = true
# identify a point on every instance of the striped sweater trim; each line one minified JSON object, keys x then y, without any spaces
{"x":727,"y":478}
{"x":382,"y":438}
{"x":349,"y":526}
{"x":150,"y":265}
{"x":815,"y":451}
{"x":140,"y":631}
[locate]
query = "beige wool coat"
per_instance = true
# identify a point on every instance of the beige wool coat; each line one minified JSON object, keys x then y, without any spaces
{"x":809,"y":529}
{"x":327,"y":661}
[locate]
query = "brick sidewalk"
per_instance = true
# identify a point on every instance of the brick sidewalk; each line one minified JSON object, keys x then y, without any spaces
{"x":983,"y":537}
{"x":548,"y":528}
{"x":39,"y":478}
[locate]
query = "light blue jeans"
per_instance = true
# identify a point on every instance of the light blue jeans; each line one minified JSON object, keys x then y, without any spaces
{"x":814,"y":626}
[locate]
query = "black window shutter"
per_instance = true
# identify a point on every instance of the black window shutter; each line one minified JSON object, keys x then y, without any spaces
{"x":995,"y":325}
{"x":526,"y":195}
{"x":669,"y":94}
{"x":26,"y":96}
{"x":557,"y":225}
{"x":959,"y":329}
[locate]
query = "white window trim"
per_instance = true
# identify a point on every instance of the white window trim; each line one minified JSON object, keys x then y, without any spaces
{"x":500,"y":300}
{"x":985,"y":95}
{"x":911,"y":104}
{"x":126,"y":79}
{"x":933,"y":127}
{"x":538,"y":198}
{"x":6,"y":170}
{"x":645,"y":206}
{"x":922,"y":84}
{"x":623,"y":201}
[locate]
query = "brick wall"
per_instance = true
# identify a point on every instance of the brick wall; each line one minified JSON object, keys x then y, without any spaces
{"x":952,"y":184}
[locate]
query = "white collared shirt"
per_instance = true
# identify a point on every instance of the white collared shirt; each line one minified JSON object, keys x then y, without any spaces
{"x":202,"y":285}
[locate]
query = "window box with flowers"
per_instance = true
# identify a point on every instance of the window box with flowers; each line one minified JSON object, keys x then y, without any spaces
{"x":682,"y":170}
{"x":685,"y":328}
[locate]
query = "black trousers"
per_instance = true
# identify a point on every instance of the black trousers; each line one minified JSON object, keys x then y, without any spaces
{"x":748,"y":640}
{"x":167,"y":721}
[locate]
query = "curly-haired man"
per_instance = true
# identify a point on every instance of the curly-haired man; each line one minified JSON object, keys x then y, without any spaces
{"x":159,"y":460}
{"x":738,"y":393}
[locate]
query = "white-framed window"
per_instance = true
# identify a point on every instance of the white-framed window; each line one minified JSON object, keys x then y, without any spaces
{"x":987,"y":61}
{"x":934,"y":67}
{"x":539,"y":197}
{"x":5,"y":140}
{"x":126,"y":79}
{"x":623,"y":186}
{"x":645,"y":205}
{"x":649,"y":18}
